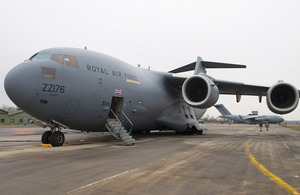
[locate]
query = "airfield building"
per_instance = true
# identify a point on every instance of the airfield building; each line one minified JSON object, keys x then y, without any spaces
{"x":16,"y":117}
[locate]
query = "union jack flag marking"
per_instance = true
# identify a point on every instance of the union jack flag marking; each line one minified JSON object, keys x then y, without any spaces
{"x":118,"y":91}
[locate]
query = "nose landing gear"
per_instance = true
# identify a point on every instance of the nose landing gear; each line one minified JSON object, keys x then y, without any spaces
{"x":57,"y":138}
{"x":46,"y":137}
{"x":54,"y":137}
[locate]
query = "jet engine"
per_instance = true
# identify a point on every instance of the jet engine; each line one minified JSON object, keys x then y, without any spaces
{"x":282,"y":98}
{"x":200,"y":92}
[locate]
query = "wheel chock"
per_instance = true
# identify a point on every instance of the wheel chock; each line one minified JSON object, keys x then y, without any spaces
{"x":46,"y":145}
{"x":49,"y":145}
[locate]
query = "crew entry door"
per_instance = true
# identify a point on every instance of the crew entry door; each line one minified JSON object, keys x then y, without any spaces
{"x":116,"y":106}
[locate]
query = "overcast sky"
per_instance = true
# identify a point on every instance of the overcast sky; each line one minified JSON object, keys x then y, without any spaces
{"x":164,"y":34}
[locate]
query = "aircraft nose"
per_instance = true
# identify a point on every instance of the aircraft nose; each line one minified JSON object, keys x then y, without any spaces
{"x":20,"y":84}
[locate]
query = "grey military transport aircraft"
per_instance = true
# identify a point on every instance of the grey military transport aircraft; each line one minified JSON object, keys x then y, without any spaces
{"x":89,"y":91}
{"x":249,"y":119}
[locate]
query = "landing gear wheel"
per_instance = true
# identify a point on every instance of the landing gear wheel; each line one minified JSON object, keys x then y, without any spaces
{"x":46,"y":137}
{"x":200,"y":132}
{"x":57,"y":138}
{"x":147,"y":132}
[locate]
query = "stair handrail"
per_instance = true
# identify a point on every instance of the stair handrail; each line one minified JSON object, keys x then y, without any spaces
{"x":117,"y":119}
{"x":128,"y":121}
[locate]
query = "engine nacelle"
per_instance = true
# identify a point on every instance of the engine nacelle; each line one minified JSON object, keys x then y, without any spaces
{"x":200,"y":92}
{"x":282,"y":98}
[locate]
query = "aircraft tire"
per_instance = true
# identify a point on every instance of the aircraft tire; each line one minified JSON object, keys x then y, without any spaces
{"x":188,"y":132}
{"x":46,"y":137}
{"x":200,"y":132}
{"x":147,"y":132}
{"x":57,"y":138}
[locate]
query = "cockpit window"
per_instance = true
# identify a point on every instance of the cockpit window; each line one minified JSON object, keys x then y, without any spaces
{"x":40,"y":56}
{"x":57,"y":58}
{"x":71,"y":61}
{"x":48,"y":73}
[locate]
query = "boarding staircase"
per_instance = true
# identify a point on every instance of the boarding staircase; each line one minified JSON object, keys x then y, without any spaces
{"x":116,"y":128}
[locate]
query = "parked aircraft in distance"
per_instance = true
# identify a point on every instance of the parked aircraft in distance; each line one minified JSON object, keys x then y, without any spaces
{"x":89,"y":91}
{"x":249,"y":119}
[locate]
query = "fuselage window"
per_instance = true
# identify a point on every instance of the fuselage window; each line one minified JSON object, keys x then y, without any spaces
{"x":48,"y":73}
{"x":71,"y":61}
{"x":57,"y":58}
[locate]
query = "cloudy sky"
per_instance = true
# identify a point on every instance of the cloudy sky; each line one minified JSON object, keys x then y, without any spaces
{"x":164,"y":34}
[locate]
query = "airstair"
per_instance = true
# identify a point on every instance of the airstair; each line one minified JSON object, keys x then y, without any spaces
{"x":116,"y":128}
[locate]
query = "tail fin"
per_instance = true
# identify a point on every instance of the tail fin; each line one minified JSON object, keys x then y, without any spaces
{"x":221,"y":108}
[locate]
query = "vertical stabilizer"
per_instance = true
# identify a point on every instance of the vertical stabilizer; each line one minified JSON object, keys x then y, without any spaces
{"x":221,"y":108}
{"x":199,"y":68}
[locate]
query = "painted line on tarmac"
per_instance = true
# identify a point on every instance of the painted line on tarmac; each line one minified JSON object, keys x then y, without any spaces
{"x":287,"y":187}
{"x":119,"y":174}
{"x":43,"y":146}
{"x":100,"y":181}
{"x":283,"y":142}
{"x":21,"y":150}
{"x":26,"y":149}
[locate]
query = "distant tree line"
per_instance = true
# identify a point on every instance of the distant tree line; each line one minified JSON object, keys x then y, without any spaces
{"x":211,"y":119}
{"x":8,"y":108}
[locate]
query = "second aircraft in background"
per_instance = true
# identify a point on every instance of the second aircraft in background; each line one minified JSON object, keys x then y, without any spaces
{"x":250,"y":119}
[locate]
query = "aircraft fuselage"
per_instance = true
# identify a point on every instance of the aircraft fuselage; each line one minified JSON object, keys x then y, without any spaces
{"x":78,"y":88}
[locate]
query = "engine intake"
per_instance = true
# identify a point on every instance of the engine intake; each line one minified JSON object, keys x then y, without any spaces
{"x":282,"y":98}
{"x":200,"y":92}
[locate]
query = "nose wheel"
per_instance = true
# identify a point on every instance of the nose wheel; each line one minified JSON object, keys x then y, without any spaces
{"x":46,"y":137}
{"x":55,"y":138}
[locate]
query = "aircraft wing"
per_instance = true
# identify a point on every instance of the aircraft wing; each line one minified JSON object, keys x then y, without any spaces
{"x":238,"y":88}
{"x":226,"y":87}
{"x":251,"y":116}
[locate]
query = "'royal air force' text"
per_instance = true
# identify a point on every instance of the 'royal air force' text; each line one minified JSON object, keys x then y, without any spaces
{"x":113,"y":72}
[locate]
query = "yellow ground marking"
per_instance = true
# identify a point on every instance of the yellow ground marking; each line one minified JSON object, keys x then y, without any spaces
{"x":287,"y":187}
{"x":133,"y":81}
{"x":21,"y":150}
{"x":12,"y":151}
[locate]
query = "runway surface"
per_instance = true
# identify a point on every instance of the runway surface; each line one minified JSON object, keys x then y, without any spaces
{"x":217,"y":162}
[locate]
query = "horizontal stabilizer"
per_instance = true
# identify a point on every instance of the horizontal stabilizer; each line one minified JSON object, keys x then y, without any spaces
{"x":206,"y":64}
{"x":221,"y":65}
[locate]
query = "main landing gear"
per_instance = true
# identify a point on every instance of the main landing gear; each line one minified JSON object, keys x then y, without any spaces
{"x":53,"y":137}
{"x":193,"y":130}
